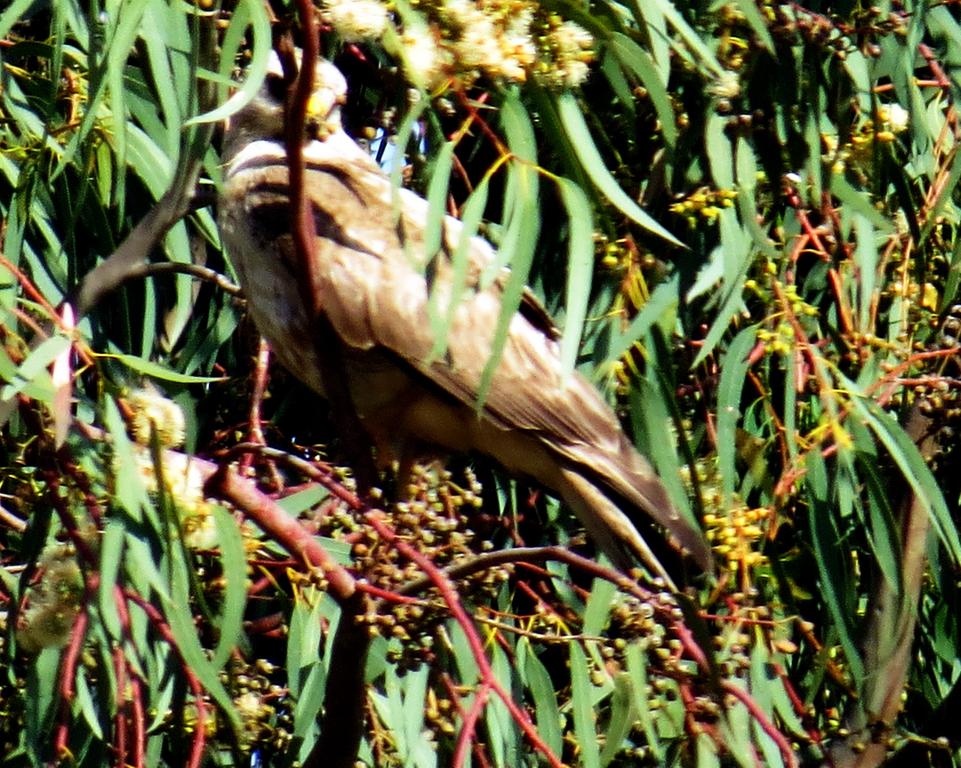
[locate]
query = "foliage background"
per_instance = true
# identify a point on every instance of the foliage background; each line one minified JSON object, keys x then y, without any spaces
{"x":798,"y":348}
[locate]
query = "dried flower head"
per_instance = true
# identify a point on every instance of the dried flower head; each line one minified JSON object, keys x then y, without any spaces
{"x":423,"y":59}
{"x":356,"y":20}
{"x":507,"y":40}
{"x":153,"y":411}
{"x":895,"y":117}
{"x":569,"y":48}
{"x":54,"y":602}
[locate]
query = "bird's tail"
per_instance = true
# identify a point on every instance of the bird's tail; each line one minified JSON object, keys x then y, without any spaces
{"x":610,"y":528}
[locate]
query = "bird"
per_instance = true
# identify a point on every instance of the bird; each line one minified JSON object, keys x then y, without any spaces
{"x":538,"y":420}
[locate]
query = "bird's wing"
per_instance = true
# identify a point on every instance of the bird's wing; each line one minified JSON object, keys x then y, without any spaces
{"x":377,"y":293}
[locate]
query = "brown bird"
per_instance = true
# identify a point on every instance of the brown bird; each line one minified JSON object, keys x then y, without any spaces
{"x":537,"y":420}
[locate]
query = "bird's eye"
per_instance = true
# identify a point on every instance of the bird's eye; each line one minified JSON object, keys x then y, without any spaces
{"x":276,"y":88}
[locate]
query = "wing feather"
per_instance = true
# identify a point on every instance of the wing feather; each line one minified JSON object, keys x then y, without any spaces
{"x":376,"y":296}
{"x":530,"y":390}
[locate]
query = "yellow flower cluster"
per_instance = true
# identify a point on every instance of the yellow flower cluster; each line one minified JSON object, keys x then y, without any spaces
{"x":734,"y":536}
{"x":705,"y":203}
{"x":857,"y":151}
{"x":779,"y":341}
{"x":734,"y":531}
{"x":779,"y":338}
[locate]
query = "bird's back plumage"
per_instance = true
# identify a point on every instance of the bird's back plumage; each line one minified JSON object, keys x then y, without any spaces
{"x":376,"y":292}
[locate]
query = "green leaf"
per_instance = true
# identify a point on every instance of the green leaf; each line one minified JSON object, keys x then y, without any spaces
{"x":35,"y":365}
{"x":621,"y":720}
{"x":720,"y":154}
{"x":42,"y":683}
{"x":522,"y":215}
{"x":637,"y":670}
{"x":158,"y":371}
{"x":637,"y":61}
{"x":706,"y":753}
{"x":688,"y":35}
{"x":882,"y":531}
{"x":301,"y":501}
{"x":737,"y":260}
{"x":757,"y":23}
{"x":177,"y":610}
{"x":582,"y":701}
{"x":538,"y":681}
{"x":763,"y":685}
{"x":590,"y":158}
{"x":442,"y":316}
{"x":580,"y":268}
{"x":85,"y":702}
{"x":437,"y":201}
{"x":234,"y":563}
{"x":414,"y":689}
{"x":653,"y":415}
{"x":828,"y":552}
{"x":599,"y":605}
{"x":303,"y":642}
{"x":733,"y":374}
{"x":663,"y":300}
{"x":916,"y":472}
{"x":252,"y":14}
{"x":866,"y":259}
{"x":111,"y":553}
{"x":12,"y":15}
{"x":855,"y":201}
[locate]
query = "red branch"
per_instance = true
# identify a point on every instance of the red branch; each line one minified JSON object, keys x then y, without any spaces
{"x":449,"y":594}
{"x":121,"y":725}
{"x":137,"y":715}
{"x":163,"y":629}
{"x":281,"y":527}
{"x":68,"y":674}
{"x":301,"y":220}
{"x":767,"y":726}
{"x":466,"y":737}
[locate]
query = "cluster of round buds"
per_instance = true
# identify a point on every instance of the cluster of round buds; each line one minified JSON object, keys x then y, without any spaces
{"x":704,"y":204}
{"x":940,"y":400}
{"x":648,"y":622}
{"x":735,"y":536}
{"x":440,"y":713}
{"x":434,"y":519}
{"x":265,"y":727}
{"x":779,"y":340}
{"x":623,"y":254}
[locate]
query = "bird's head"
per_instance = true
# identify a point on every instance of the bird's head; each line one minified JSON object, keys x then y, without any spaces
{"x":263,"y":117}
